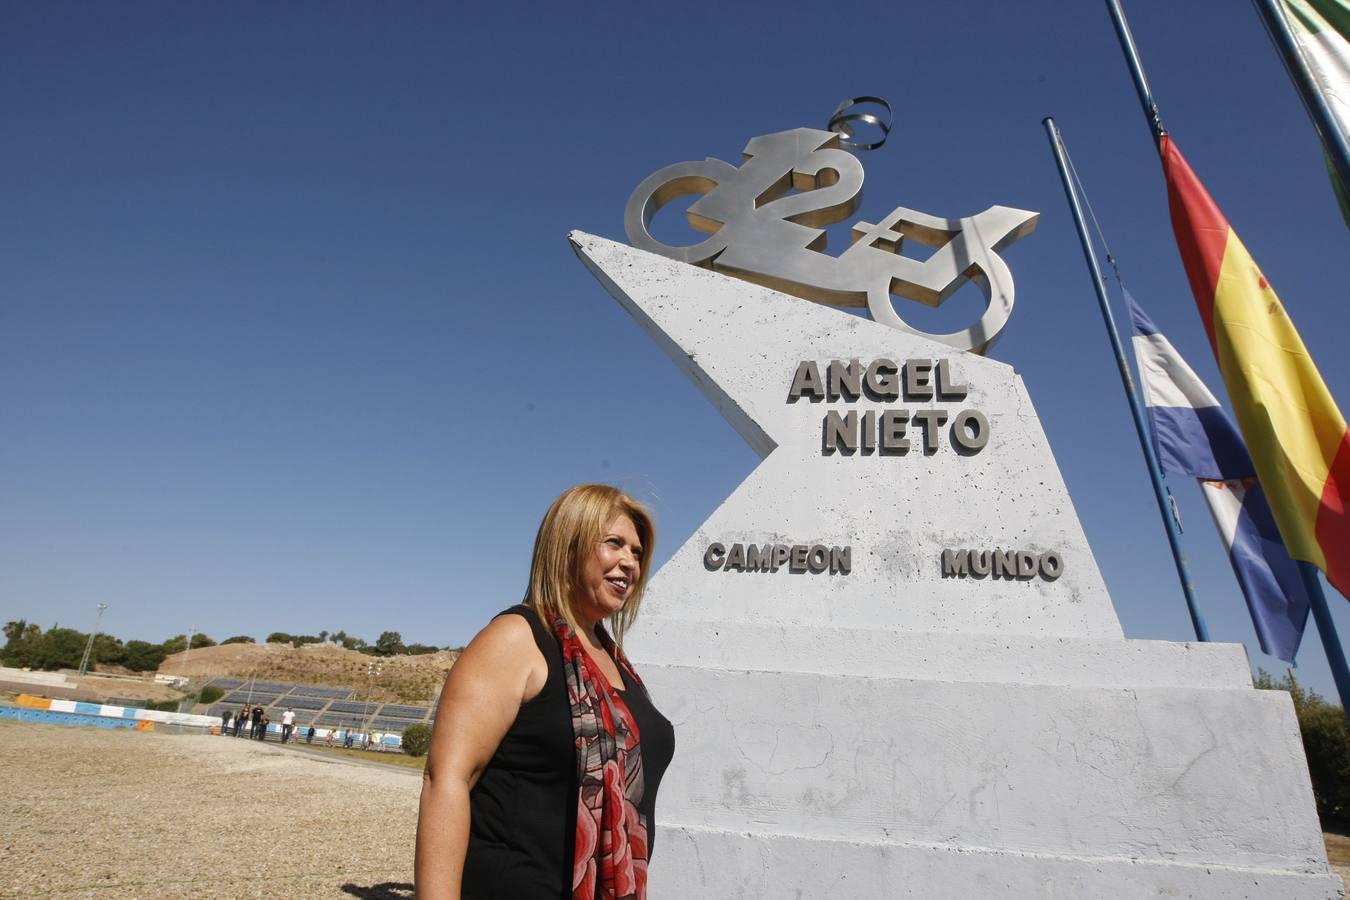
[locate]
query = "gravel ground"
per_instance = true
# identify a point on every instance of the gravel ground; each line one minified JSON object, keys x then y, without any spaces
{"x":89,"y":812}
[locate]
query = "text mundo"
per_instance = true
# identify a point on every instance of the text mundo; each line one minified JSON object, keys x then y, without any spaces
{"x":886,"y":431}
{"x":797,"y":558}
{"x":1019,"y":564}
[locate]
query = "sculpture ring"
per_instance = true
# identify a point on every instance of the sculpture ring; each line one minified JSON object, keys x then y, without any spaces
{"x":841,"y":119}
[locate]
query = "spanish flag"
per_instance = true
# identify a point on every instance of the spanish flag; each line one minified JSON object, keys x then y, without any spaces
{"x":1297,"y":436}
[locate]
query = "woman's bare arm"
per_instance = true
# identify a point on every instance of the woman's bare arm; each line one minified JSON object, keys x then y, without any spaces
{"x":501,"y":669}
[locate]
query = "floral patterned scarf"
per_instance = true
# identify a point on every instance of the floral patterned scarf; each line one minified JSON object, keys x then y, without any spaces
{"x":610,"y":860}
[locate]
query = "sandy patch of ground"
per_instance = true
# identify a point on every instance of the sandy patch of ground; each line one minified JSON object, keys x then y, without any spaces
{"x":97,"y":813}
{"x":102,"y":688}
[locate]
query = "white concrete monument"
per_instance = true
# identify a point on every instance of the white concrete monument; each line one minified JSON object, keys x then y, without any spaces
{"x":892,"y":663}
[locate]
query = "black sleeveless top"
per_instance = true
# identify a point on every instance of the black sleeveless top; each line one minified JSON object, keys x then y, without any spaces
{"x":523,"y":809}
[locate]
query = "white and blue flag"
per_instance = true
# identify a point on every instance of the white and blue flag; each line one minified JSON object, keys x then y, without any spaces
{"x":1194,"y":436}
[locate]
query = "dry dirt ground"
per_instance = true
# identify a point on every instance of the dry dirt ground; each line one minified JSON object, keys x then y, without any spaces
{"x":1338,"y":851}
{"x":94,"y":687}
{"x":98,"y":813}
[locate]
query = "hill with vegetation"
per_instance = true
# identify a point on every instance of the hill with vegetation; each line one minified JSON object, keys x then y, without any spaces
{"x":386,"y":669}
{"x":397,"y":678}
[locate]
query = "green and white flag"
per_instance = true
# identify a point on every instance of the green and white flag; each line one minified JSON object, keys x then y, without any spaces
{"x":1321,"y":32}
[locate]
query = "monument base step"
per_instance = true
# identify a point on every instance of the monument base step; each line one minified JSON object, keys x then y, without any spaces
{"x":881,"y":653}
{"x":707,"y":862}
{"x":1204,"y":777}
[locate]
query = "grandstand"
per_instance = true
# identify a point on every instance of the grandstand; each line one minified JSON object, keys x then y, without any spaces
{"x":322,"y":707}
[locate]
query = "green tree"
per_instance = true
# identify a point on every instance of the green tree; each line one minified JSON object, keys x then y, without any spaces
{"x":143,"y":656}
{"x":348,"y":641}
{"x":14,"y":630}
{"x":175,"y":644}
{"x":108,"y":651}
{"x":21,"y":643}
{"x":29,"y":647}
{"x":417,"y":740}
{"x":420,"y":649}
{"x":62,"y":648}
{"x":210,"y":694}
{"x":1326,"y":743}
{"x":279,"y":637}
{"x":389,"y":643}
{"x":200,"y":640}
{"x":238,"y":639}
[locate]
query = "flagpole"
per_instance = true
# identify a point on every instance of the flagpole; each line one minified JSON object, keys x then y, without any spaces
{"x":1332,"y":138}
{"x":1127,"y":381}
{"x":1326,"y":628}
{"x":1136,"y":69}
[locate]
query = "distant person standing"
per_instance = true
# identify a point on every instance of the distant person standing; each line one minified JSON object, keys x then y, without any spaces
{"x":239,"y":719}
{"x":287,"y":724}
{"x":225,"y":719}
{"x":262,"y":729}
{"x":309,"y":735}
{"x":257,"y":722}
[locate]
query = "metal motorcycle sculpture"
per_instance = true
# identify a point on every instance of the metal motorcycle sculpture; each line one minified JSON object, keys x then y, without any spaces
{"x":764,"y":233}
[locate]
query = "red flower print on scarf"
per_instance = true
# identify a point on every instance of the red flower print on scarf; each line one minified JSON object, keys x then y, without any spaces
{"x":610,"y":861}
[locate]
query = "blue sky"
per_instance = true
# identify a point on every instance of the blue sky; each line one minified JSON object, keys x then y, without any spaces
{"x":292,"y":338}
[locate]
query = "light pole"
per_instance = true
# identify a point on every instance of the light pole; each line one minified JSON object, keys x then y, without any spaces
{"x":187,"y":648}
{"x":373,"y":668}
{"x":89,"y":645}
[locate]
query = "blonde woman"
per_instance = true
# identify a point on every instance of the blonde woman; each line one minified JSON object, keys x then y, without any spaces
{"x":547,"y":752}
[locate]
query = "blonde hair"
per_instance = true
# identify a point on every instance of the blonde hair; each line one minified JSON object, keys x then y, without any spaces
{"x":572,"y":527}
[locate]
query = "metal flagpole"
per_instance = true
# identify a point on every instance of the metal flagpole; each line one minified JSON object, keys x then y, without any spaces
{"x":1136,"y":69}
{"x":1333,"y":139}
{"x":1127,"y":381}
{"x":1326,"y":628}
